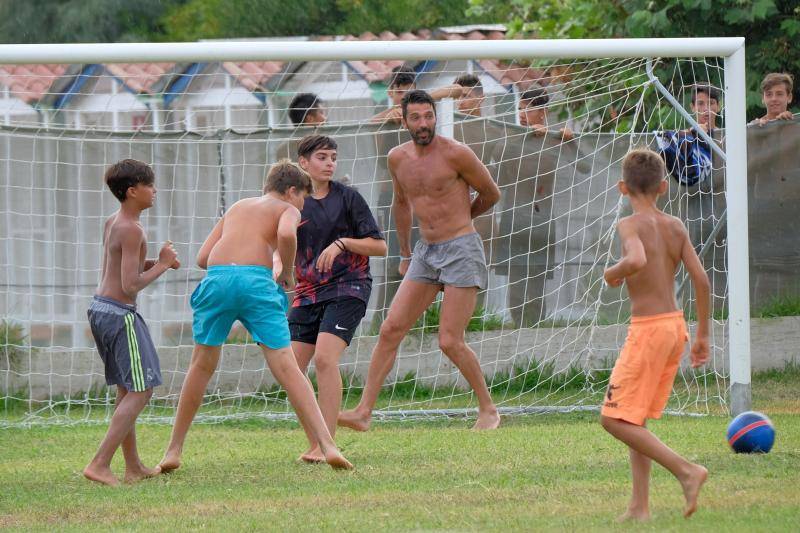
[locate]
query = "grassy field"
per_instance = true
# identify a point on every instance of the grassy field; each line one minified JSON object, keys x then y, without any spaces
{"x":549,"y":472}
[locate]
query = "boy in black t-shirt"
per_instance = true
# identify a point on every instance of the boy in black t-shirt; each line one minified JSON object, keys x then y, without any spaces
{"x":335,"y":238}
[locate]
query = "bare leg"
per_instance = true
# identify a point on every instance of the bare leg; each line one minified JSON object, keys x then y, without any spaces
{"x":409,"y":303}
{"x":283,"y":366}
{"x":691,"y":476}
{"x":303,"y":353}
{"x":134,"y":469}
{"x":639,"y":506}
{"x":122,"y":422}
{"x":328,"y":351}
{"x":457,"y":308}
{"x":203,"y":365}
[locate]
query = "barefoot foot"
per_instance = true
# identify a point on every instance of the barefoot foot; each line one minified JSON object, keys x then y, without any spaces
{"x":313,"y":456}
{"x":354,"y":420}
{"x":337,"y":461}
{"x":634,"y":516}
{"x":100,"y":475}
{"x":141,"y":472}
{"x":487,"y":420}
{"x":170,"y":462}
{"x":691,"y":488}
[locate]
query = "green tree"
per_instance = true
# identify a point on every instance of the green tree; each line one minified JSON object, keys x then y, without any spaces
{"x":197,"y":19}
{"x":771,"y":27}
{"x":70,"y":21}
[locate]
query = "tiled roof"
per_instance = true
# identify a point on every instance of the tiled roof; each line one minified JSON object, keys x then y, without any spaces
{"x":29,"y":82}
{"x":253,"y":75}
{"x":139,"y":77}
{"x":504,"y":72}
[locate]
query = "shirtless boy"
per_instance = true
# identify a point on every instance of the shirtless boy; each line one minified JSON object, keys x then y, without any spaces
{"x":239,"y":286}
{"x":432,"y":177}
{"x":654,"y":245}
{"x":121,"y":335}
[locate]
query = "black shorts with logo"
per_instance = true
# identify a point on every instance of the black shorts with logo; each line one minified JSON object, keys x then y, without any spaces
{"x":339,"y":316}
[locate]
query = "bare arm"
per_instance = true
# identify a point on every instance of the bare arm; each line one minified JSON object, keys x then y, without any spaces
{"x":401,"y":207}
{"x":287,"y":239}
{"x":477,"y":176}
{"x":633,"y":256}
{"x":393,"y":114}
{"x":208,"y":245}
{"x":133,"y":280}
{"x":366,"y":246}
{"x":448,"y":91}
{"x":702,"y":290}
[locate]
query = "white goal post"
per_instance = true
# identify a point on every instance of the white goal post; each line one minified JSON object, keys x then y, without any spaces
{"x":731,"y":49}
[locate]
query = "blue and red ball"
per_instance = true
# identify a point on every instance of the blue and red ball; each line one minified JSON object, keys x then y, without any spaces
{"x":751,"y":432}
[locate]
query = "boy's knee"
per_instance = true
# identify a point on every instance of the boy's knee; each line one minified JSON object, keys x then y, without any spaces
{"x":326,"y":362}
{"x":207,"y":365}
{"x":281,"y":361}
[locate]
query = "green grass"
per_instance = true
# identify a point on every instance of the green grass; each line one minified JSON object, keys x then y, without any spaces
{"x":551,"y":472}
{"x":13,"y":341}
{"x":779,"y":306}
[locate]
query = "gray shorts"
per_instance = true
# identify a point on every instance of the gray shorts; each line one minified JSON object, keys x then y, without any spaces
{"x":125,"y":346}
{"x":458,"y":262}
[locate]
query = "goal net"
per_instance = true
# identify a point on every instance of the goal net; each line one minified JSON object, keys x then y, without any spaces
{"x":551,"y":131}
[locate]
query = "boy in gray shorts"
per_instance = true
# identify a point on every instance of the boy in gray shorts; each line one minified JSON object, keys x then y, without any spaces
{"x":122,"y":337}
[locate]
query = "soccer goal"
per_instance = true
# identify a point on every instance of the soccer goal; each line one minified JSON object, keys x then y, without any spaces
{"x":551,"y":120}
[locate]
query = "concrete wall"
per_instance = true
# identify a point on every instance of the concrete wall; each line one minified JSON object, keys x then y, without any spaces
{"x":44,"y":373}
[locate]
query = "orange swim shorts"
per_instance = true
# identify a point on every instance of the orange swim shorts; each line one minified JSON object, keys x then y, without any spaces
{"x":642,"y":378}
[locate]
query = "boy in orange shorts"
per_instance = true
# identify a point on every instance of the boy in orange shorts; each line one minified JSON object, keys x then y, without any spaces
{"x":653,"y":246}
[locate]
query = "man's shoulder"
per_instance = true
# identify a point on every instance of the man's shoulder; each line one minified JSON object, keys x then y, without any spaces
{"x":399,"y":151}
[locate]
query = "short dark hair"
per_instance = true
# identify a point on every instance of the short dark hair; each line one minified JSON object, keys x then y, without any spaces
{"x":417,"y":96}
{"x":127,"y":173}
{"x":775,"y":78}
{"x":708,"y":90}
{"x":284,"y":175}
{"x":643,"y":170}
{"x":469,"y":80}
{"x":402,"y":75}
{"x":536,"y":96}
{"x":311,"y":143}
{"x":301,"y":105}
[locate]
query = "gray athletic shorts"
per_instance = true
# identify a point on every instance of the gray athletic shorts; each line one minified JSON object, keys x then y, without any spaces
{"x":459,"y":262}
{"x":125,"y":346}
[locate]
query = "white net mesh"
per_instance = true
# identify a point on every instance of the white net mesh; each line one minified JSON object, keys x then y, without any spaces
{"x":546,"y":330}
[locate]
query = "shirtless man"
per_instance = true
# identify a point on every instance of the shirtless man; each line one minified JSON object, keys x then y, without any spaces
{"x":432,"y":177}
{"x":120,"y":333}
{"x":239,"y":286}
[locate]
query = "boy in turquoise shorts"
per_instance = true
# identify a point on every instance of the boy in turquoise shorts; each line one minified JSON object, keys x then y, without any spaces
{"x":239,"y":286}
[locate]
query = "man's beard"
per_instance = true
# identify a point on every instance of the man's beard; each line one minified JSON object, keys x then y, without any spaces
{"x":422,"y":142}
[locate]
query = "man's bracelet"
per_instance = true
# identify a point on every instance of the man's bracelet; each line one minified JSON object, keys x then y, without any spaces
{"x":340,"y":244}
{"x":402,"y":258}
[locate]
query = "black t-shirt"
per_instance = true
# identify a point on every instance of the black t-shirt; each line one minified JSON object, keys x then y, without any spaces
{"x":342,"y":213}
